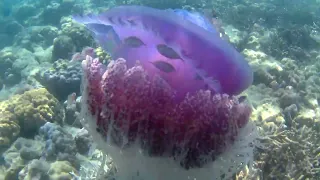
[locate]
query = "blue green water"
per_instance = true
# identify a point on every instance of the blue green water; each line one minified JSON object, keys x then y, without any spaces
{"x":41,"y":49}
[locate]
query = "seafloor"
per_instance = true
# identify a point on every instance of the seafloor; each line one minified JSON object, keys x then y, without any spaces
{"x":279,"y":38}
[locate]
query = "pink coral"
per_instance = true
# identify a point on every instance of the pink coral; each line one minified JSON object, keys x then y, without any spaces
{"x":127,"y":108}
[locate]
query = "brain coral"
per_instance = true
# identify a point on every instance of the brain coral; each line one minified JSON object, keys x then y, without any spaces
{"x":26,"y":113}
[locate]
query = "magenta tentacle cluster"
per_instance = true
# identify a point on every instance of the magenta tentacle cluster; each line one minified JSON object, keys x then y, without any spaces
{"x":131,"y":108}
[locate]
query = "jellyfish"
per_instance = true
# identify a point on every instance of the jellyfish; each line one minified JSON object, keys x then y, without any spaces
{"x":166,"y":106}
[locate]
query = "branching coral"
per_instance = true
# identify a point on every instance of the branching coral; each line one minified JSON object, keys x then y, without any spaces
{"x":135,"y":118}
{"x":290,"y":154}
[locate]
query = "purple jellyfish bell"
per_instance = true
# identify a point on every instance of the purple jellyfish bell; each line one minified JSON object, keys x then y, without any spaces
{"x":177,"y":47}
{"x":165,"y":108}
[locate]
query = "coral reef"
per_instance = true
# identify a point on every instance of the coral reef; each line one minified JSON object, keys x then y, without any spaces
{"x":62,"y":47}
{"x":10,"y":129}
{"x":20,"y":154}
{"x":280,"y":40}
{"x":83,"y":142}
{"x":80,"y":36}
{"x":291,"y":153}
{"x":61,"y":170}
{"x":44,"y":170}
{"x":27,"y":112}
{"x":62,"y":74}
{"x":59,"y":144}
{"x":7,"y":58}
{"x":36,"y":36}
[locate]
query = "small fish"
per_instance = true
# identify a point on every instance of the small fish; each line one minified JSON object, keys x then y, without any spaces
{"x":164,"y":66}
{"x":133,"y":42}
{"x":167,"y":52}
{"x":198,"y":77}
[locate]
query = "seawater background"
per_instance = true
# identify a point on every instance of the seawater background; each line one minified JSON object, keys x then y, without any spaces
{"x":279,"y":38}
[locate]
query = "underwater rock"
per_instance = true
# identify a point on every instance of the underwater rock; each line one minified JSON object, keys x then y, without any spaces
{"x":43,"y":55}
{"x":19,"y":154}
{"x":61,"y":170}
{"x":72,"y":111}
{"x":12,"y":173}
{"x":24,"y":12}
{"x":60,"y":145}
{"x":7,"y":57}
{"x":6,"y":40}
{"x":236,"y":37}
{"x":52,"y":14}
{"x":306,"y":117}
{"x":288,"y":98}
{"x":62,"y":74}
{"x":55,"y":10}
{"x":23,"y":150}
{"x":26,"y":63}
{"x":266,"y":69}
{"x":9,"y":128}
{"x":63,"y":47}
{"x":265,"y":112}
{"x":294,"y":43}
{"x":290,"y":113}
{"x":72,"y":116}
{"x":311,"y":101}
{"x":1,"y":83}
{"x":17,"y":64}
{"x":12,"y":28}
{"x":163,"y":4}
{"x":30,"y":111}
{"x":67,"y":5}
{"x":11,"y":79}
{"x":83,"y":141}
{"x":35,"y":36}
{"x":253,"y":41}
{"x":80,"y":36}
{"x":35,"y":169}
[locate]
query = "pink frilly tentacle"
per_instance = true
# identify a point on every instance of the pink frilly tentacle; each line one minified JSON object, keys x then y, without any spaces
{"x":128,"y":108}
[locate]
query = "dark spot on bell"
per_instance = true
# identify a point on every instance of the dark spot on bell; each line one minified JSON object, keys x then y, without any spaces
{"x":198,"y":77}
{"x":133,"y":42}
{"x":167,"y":51}
{"x":132,"y":22}
{"x":111,"y":20}
{"x":121,"y":22}
{"x":164,"y":66}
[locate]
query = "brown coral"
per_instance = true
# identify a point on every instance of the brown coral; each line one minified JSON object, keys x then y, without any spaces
{"x":25,"y":113}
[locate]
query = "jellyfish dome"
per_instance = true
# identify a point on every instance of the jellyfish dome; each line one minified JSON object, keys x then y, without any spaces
{"x":165,"y":108}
